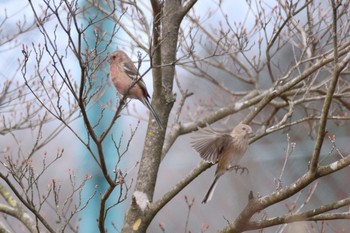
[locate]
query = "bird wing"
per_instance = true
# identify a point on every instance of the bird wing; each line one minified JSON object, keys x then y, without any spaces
{"x":133,"y":73}
{"x":210,"y":144}
{"x":131,"y":70}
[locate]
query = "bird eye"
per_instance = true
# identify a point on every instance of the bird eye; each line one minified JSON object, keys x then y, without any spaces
{"x":244,"y":128}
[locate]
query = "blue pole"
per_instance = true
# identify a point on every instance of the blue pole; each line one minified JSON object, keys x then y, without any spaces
{"x":88,"y":166}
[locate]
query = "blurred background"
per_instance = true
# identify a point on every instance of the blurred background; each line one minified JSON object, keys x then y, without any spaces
{"x":265,"y":158}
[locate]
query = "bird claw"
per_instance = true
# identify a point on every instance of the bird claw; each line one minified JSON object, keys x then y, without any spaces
{"x":236,"y":168}
{"x":122,"y":101}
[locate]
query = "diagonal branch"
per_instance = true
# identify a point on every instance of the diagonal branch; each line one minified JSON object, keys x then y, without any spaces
{"x":310,"y":215}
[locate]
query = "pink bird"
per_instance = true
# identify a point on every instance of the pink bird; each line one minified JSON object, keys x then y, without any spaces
{"x":123,"y":73}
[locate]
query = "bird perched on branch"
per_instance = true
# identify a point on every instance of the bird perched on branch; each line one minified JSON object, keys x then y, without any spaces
{"x":225,"y":149}
{"x":124,"y":74}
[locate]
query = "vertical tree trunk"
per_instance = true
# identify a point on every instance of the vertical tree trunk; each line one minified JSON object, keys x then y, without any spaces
{"x":164,"y":52}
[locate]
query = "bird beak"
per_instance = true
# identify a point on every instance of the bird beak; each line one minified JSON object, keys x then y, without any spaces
{"x":251,"y":135}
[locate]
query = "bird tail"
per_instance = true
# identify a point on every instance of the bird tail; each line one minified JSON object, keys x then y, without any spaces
{"x":211,"y":190}
{"x":154,"y":114}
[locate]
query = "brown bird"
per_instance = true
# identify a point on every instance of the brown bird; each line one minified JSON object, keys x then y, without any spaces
{"x":225,"y":149}
{"x":123,"y":73}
